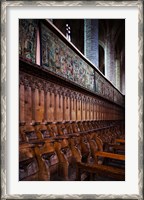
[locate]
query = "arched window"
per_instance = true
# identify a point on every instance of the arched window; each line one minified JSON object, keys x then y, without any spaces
{"x":101,"y":59}
{"x":68,"y":32}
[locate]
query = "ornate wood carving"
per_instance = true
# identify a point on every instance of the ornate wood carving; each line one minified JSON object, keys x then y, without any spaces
{"x":48,"y":101}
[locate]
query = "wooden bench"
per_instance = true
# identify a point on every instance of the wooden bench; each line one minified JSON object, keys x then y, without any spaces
{"x":110,"y":155}
{"x":115,"y":173}
{"x":118,"y":148}
{"x":120,"y":141}
{"x":113,"y":159}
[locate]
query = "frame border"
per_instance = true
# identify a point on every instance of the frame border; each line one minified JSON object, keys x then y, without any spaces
{"x":4,"y":4}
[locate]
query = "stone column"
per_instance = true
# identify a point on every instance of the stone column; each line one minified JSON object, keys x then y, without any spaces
{"x":118,"y":74}
{"x":91,"y":47}
{"x":122,"y":72}
{"x":110,"y":69}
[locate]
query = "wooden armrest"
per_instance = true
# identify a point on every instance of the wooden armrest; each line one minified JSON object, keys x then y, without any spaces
{"x":37,"y":142}
{"x":110,"y":155}
{"x":25,"y":145}
{"x":119,"y":147}
{"x":73,"y":135}
{"x":84,"y":132}
{"x":60,"y":137}
{"x":120,"y":140}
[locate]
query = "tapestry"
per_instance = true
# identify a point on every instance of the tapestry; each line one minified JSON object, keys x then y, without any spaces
{"x":118,"y":98}
{"x":103,"y":87}
{"x":62,"y":60}
{"x":27,"y":39}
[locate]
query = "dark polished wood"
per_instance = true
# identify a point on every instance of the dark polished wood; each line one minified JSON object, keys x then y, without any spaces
{"x":110,"y":155}
{"x":120,"y":140}
{"x":109,"y":171}
{"x":63,"y":123}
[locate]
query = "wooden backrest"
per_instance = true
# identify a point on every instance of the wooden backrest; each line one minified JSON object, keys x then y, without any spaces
{"x":28,"y":166}
{"x":80,"y":125}
{"x":30,"y":133}
{"x":22,"y":136}
{"x":89,"y":124}
{"x":49,"y":156}
{"x":61,"y":128}
{"x":68,"y":127}
{"x":53,"y":128}
{"x":31,"y":168}
{"x":94,"y":124}
{"x":65,"y":148}
{"x":85,"y":147}
{"x":43,"y":131}
{"x":75,"y":127}
{"x":99,"y":143}
{"x":85,"y":126}
{"x":75,"y":148}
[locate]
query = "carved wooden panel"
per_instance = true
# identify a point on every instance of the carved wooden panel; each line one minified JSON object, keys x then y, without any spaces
{"x":51,"y":109}
{"x":83,"y":110}
{"x":42,"y":101}
{"x":67,"y":108}
{"x":60,"y":108}
{"x":78,"y":109}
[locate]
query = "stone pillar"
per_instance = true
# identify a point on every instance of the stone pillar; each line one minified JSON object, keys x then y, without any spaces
{"x":118,"y":74}
{"x":110,"y":69}
{"x":91,"y":47}
{"x":122,"y":71}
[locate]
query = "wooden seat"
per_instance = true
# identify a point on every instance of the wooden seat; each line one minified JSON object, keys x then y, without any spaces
{"x":48,"y":154}
{"x":75,"y":148}
{"x":68,"y":127}
{"x":71,"y":131}
{"x":30,"y":135}
{"x":31,"y":168}
{"x":85,"y":127}
{"x":59,"y":145}
{"x":61,"y":129}
{"x":81,"y":141}
{"x":22,"y":135}
{"x":43,"y":131}
{"x":53,"y":128}
{"x":33,"y":134}
{"x":50,"y":130}
{"x":94,"y":124}
{"x":93,"y":147}
{"x":66,"y":160}
{"x":75,"y":127}
{"x":56,"y":131}
{"x":80,"y":126}
{"x":85,"y":149}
